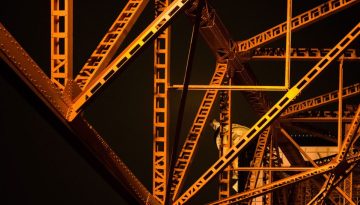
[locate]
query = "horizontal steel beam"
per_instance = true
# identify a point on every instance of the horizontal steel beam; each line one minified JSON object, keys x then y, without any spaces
{"x":294,"y":169}
{"x":304,"y":19}
{"x":316,"y":119}
{"x":272,"y":114}
{"x":232,"y":87}
{"x":308,"y":54}
{"x":321,"y":100}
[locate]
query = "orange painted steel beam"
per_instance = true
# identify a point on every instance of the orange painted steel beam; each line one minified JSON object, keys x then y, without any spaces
{"x":120,"y":62}
{"x":190,"y":145}
{"x":61,"y":42}
{"x":27,"y":69}
{"x":317,"y":119}
{"x":292,"y":141}
{"x":324,"y":160}
{"x":110,"y":43}
{"x":233,"y":87}
{"x":321,"y":100}
{"x":288,"y":43}
{"x":353,"y":157}
{"x":276,"y":185}
{"x":357,"y":136}
{"x":257,"y":159}
{"x":283,"y":182}
{"x":340,"y":103}
{"x":269,"y":116}
{"x":215,"y":34}
{"x":218,"y":40}
{"x":31,"y":74}
{"x":350,"y":137}
{"x":348,"y":186}
{"x":312,"y":162}
{"x":311,"y":54}
{"x":226,"y":137}
{"x":334,"y":180}
{"x":294,"y":169}
{"x":337,"y":176}
{"x":320,"y":12}
{"x":161,"y":108}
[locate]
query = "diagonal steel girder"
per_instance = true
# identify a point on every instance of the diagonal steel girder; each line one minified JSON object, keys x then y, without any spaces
{"x":342,"y":168}
{"x":111,"y":41}
{"x":121,"y":61}
{"x":304,"y":19}
{"x":31,"y":74}
{"x":336,"y":166}
{"x":321,"y":100}
{"x":272,"y":114}
{"x":219,"y":41}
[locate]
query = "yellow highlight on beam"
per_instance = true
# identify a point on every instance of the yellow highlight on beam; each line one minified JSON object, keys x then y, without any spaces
{"x":232,"y":87}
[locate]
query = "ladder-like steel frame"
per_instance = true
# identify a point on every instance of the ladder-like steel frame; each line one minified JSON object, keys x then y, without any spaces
{"x":67,"y":98}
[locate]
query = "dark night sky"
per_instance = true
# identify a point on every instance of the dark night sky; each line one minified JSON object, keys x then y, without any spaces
{"x":39,"y":166}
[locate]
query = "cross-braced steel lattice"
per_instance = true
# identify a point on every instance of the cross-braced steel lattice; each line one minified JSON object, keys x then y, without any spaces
{"x":272,"y":160}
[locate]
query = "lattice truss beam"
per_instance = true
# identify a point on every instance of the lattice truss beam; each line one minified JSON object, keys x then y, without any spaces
{"x":231,"y":69}
{"x":61,"y":42}
{"x":161,"y":108}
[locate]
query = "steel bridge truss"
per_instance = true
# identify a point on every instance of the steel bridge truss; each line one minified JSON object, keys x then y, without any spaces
{"x":67,"y":97}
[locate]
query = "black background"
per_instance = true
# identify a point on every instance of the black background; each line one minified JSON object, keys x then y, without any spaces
{"x":39,"y":166}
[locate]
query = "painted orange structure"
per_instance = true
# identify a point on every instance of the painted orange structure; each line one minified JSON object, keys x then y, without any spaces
{"x":333,"y":176}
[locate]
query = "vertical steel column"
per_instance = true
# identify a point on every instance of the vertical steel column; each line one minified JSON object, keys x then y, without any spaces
{"x":264,"y":121}
{"x":269,"y":174}
{"x":161,"y":112}
{"x":61,"y":42}
{"x":340,"y":107}
{"x":226,"y":136}
{"x":348,"y":182}
{"x":288,"y":43}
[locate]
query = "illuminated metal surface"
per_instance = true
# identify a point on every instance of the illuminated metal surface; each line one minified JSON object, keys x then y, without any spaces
{"x":111,"y":41}
{"x":224,"y":48}
{"x":299,"y":21}
{"x":270,"y":115}
{"x":317,"y":119}
{"x":321,"y":100}
{"x":189,"y":148}
{"x":276,"y":185}
{"x":226,"y":138}
{"x":294,"y":169}
{"x":23,"y":65}
{"x":313,"y":54}
{"x":118,"y":64}
{"x":257,"y":160}
{"x":161,"y":108}
{"x":234,"y":87}
{"x":61,"y":42}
